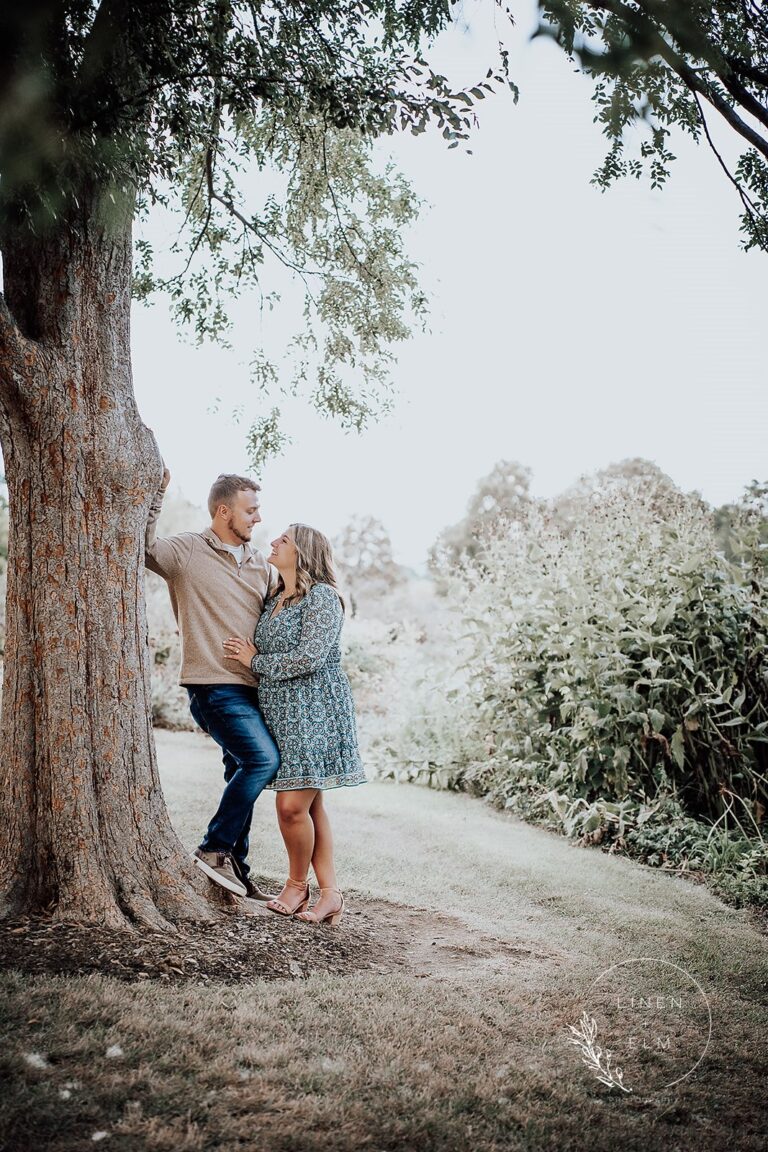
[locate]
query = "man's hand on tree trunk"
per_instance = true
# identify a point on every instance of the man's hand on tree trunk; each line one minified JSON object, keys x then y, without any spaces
{"x":166,"y":478}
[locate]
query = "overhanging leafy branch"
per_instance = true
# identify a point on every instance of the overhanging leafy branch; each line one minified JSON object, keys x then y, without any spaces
{"x":656,"y":62}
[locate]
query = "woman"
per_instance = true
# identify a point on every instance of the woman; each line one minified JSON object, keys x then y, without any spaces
{"x":306,"y":702}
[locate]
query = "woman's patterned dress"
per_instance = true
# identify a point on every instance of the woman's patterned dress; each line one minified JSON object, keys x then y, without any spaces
{"x":304,"y":695}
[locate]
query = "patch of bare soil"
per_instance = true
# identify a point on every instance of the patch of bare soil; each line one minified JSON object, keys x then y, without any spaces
{"x":434,"y":944}
{"x":252,"y":943}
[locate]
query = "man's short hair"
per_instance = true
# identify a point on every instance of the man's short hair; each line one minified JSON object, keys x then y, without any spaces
{"x":225,"y":487}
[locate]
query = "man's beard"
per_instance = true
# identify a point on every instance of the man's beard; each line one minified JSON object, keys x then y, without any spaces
{"x":240,"y":535}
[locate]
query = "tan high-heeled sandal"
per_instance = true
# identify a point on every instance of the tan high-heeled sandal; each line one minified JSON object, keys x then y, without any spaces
{"x":332,"y":917}
{"x":283,"y":909}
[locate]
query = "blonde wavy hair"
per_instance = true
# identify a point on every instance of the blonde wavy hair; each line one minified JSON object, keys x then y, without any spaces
{"x":314,"y":562}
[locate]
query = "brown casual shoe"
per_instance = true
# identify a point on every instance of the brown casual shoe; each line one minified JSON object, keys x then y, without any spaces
{"x":253,"y":892}
{"x":218,"y":867}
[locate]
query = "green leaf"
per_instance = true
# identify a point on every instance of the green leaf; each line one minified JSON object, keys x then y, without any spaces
{"x":656,"y":718}
{"x":677,"y":747}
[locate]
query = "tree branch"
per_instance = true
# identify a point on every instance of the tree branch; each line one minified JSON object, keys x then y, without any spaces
{"x":99,"y":43}
{"x":365,"y":274}
{"x":742,"y":68}
{"x":656,"y":42}
{"x":228,"y":203}
{"x":689,"y":77}
{"x":210,"y":160}
{"x":112,"y":49}
{"x":26,"y":33}
{"x":746,"y":99}
{"x":748,"y":204}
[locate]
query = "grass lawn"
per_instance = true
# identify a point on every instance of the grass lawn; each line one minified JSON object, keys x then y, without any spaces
{"x":458,"y":1039}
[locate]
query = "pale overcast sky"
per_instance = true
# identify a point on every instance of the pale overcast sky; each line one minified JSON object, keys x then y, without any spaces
{"x":569,"y":329}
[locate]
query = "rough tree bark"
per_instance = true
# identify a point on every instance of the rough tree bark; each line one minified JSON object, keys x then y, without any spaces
{"x":86,"y":833}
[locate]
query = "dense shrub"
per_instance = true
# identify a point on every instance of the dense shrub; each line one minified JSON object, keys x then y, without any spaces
{"x":613,"y":680}
{"x":622,"y":655}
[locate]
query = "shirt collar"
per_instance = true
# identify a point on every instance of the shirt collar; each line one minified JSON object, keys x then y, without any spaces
{"x":213,"y":540}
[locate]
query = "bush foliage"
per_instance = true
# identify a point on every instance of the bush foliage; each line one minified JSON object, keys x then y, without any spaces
{"x":614,"y":676}
{"x":622,"y":654}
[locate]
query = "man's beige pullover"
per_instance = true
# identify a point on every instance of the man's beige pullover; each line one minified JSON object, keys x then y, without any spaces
{"x":211,"y":596}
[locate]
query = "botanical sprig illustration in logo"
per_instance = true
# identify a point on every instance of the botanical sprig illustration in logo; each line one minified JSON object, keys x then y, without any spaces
{"x":655,"y":1025}
{"x":584,"y":1037}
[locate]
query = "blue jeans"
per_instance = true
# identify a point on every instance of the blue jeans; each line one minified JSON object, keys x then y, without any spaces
{"x":230,"y":714}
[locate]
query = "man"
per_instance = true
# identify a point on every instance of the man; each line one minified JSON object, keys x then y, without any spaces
{"x":218,"y":584}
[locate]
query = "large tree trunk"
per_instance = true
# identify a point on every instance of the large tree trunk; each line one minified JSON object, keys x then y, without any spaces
{"x":85,"y":828}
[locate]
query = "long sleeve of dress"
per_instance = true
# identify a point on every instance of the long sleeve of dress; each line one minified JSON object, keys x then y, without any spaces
{"x":320,"y":628}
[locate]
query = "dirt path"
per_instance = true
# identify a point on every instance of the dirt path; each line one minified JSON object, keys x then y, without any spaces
{"x":445,"y":884}
{"x":434,"y":936}
{"x":253,"y":944}
{"x":434,"y":945}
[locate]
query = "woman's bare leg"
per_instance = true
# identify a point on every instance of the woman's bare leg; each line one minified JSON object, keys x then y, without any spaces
{"x":330,"y":899}
{"x":298,"y":832}
{"x":322,"y":856}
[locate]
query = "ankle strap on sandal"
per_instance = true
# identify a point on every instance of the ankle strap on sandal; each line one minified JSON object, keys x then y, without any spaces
{"x":297,"y":883}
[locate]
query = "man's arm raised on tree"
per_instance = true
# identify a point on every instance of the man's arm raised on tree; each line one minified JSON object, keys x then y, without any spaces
{"x":170,"y":556}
